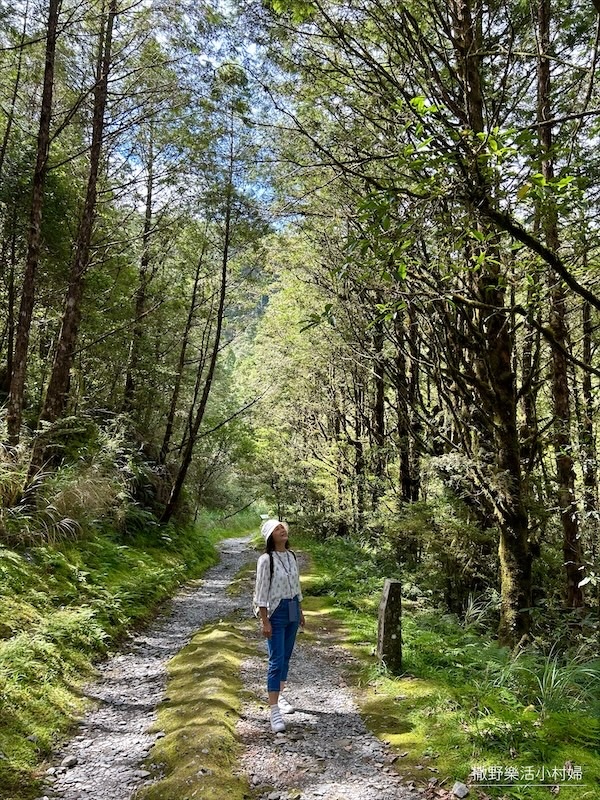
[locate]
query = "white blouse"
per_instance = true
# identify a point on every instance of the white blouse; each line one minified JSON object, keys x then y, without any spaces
{"x":284,"y":584}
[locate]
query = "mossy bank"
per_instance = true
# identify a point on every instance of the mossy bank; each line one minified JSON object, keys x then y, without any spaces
{"x":199,"y":751}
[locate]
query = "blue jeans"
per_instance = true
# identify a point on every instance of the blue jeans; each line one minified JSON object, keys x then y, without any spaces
{"x":281,"y":643}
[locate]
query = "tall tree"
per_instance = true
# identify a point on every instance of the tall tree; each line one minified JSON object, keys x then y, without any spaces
{"x":144,"y":280}
{"x":563,"y":445}
{"x":58,"y":388}
{"x":17,"y":384}
{"x":225,"y":214}
{"x":200,"y":411}
{"x":183,"y":351}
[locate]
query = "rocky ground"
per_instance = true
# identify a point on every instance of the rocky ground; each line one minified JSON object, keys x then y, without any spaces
{"x":325,"y":754}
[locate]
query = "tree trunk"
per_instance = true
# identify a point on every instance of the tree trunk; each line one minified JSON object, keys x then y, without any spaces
{"x":5,"y":270}
{"x":340,"y":472}
{"x":164,"y":450}
{"x":497,"y":382}
{"x":359,"y":469}
{"x":530,"y":448}
{"x":17,"y":384}
{"x":10,"y":345}
{"x":15,"y":93}
{"x":359,"y":456}
{"x":378,"y":422}
{"x":140,"y":295}
{"x":414,"y":453}
{"x":58,"y":388}
{"x":407,"y":489}
{"x":587,"y":436}
{"x":188,"y":450}
{"x":558,"y":325}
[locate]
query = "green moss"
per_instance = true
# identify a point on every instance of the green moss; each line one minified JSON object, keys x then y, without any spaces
{"x":243,"y":581}
{"x":197,"y":755}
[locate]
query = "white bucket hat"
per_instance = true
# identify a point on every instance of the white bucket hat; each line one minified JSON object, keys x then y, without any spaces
{"x":269,"y":526}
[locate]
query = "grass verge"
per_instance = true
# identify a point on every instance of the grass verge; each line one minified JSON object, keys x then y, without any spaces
{"x":62,"y":607}
{"x":199,"y":750}
{"x":463,"y":703}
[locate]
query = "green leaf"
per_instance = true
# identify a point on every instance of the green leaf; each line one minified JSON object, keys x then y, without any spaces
{"x":566,"y":181}
{"x":301,"y":10}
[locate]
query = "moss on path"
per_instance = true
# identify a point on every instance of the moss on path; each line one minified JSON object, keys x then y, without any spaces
{"x":198,"y":716}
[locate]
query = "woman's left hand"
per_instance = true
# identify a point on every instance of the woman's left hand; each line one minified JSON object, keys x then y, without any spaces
{"x":302,"y":620}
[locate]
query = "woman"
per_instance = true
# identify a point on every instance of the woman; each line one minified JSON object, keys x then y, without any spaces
{"x":277,"y":598}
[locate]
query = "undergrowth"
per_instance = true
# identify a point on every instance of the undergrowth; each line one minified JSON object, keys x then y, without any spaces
{"x":464,"y":708}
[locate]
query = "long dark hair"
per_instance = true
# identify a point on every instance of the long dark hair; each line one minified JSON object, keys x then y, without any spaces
{"x":270,"y":549}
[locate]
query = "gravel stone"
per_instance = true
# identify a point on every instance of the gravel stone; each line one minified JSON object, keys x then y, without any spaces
{"x":329,"y":751}
{"x":460,"y":790}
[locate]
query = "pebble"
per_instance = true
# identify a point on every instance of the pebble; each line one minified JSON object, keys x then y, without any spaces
{"x":329,"y":752}
{"x":460,"y":790}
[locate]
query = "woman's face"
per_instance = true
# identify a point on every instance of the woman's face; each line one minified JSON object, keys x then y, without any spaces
{"x":280,"y":535}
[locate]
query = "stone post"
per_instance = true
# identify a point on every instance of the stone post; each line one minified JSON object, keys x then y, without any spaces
{"x":389,"y":635}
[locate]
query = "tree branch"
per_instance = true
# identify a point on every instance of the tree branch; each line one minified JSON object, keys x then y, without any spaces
{"x":506,"y":223}
{"x":233,"y":416}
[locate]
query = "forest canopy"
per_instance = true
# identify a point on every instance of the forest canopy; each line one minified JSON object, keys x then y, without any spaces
{"x":340,"y":258}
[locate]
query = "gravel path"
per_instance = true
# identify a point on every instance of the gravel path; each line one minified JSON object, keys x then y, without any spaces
{"x":326,"y":753}
{"x":113,"y":740}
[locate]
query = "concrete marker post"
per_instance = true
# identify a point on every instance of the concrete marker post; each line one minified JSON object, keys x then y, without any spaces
{"x":389,"y":634}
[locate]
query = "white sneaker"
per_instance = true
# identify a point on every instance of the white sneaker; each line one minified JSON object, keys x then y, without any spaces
{"x":284,"y":706}
{"x":277,"y":724}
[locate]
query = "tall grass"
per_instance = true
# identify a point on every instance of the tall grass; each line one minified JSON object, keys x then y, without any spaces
{"x":94,"y":476}
{"x":28,"y":515}
{"x":555,"y":682}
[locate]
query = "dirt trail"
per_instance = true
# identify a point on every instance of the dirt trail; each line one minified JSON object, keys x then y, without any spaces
{"x":326,"y":753}
{"x":114,"y":739}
